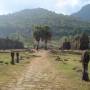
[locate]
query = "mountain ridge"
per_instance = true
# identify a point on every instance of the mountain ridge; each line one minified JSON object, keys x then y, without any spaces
{"x":84,"y":13}
{"x":22,"y":22}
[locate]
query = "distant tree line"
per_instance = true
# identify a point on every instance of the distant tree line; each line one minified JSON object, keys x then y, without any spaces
{"x":10,"y":44}
{"x":77,"y":42}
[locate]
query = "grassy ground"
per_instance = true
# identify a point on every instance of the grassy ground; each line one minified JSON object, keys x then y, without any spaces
{"x":70,"y":66}
{"x":8,"y":72}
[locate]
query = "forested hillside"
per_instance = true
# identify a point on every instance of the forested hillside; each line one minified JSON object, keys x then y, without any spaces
{"x":21,"y":23}
{"x":84,"y":13}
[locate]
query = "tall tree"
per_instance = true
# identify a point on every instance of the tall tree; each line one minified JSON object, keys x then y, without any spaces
{"x":84,"y":41}
{"x":46,"y":35}
{"x":42,"y":33}
{"x":37,"y":35}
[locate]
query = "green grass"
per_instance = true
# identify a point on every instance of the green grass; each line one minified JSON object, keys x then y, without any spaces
{"x":70,"y":66}
{"x":10,"y":72}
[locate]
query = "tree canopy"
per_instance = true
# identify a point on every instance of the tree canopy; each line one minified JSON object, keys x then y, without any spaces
{"x":42,"y":33}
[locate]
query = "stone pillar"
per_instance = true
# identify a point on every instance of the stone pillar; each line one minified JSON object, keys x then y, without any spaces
{"x":12,"y":58}
{"x":85,"y":61}
{"x":17,"y":57}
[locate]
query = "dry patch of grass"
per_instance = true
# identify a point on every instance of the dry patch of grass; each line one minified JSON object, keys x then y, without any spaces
{"x":10,"y":73}
{"x":70,"y":66}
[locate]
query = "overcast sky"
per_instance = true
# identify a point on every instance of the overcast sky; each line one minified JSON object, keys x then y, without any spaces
{"x":59,"y":6}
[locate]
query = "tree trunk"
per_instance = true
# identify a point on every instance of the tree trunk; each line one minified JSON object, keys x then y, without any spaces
{"x":37,"y":45}
{"x":45,"y":44}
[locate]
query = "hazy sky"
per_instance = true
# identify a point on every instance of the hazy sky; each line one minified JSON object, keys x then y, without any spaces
{"x":59,"y":6}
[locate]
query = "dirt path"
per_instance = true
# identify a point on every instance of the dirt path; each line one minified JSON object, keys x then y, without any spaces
{"x":41,"y":75}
